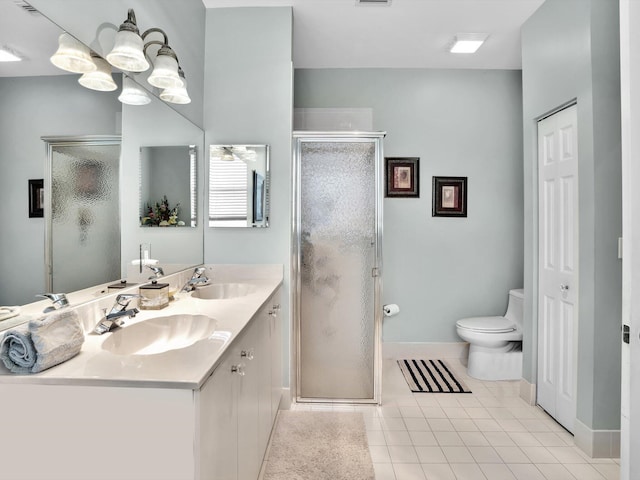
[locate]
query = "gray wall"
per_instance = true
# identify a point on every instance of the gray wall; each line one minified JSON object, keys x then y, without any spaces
{"x":33,"y":107}
{"x":248,"y":100}
{"x":571,"y":51}
{"x":460,"y":123}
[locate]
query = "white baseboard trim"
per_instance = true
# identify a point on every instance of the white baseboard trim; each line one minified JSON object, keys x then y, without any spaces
{"x":285,"y":399}
{"x":597,"y":443}
{"x":528,"y":391}
{"x":399,"y":350}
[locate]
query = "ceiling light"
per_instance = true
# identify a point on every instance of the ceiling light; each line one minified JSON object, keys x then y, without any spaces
{"x":128,"y":51}
{"x":467,"y":42}
{"x":132,"y":93}
{"x":72,"y":55}
{"x":101,"y":79}
{"x":8,"y":55}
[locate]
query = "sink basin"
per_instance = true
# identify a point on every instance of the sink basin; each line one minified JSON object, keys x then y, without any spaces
{"x":220,"y":291}
{"x":160,"y":334}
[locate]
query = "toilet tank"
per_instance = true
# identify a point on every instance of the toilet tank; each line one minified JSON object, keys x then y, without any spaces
{"x":515,"y":308}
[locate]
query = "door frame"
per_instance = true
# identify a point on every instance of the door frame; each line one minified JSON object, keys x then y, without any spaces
{"x":300,"y":137}
{"x":539,"y":242}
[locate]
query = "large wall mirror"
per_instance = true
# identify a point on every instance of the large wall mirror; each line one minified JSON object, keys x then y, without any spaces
{"x":42,"y":101}
{"x":239,"y":186}
{"x":168,"y":186}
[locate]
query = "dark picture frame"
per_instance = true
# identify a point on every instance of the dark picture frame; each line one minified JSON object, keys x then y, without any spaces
{"x":36,"y":198}
{"x":449,"y":197}
{"x":402,"y":177}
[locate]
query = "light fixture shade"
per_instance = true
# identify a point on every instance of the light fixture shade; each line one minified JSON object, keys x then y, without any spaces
{"x":101,"y":79}
{"x":165,"y":71}
{"x":8,"y":55}
{"x":178,"y":95}
{"x":132,"y":93}
{"x":72,"y":55}
{"x":127,"y":53}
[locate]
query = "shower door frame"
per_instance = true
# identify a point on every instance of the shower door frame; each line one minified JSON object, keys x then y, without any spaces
{"x":300,"y":137}
{"x":66,"y":141}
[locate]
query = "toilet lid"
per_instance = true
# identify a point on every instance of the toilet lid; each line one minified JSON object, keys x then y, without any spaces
{"x":487,"y":324}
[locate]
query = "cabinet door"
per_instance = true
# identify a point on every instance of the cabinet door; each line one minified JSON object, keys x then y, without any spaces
{"x":219,"y":425}
{"x":262,"y":325}
{"x":249,"y":454}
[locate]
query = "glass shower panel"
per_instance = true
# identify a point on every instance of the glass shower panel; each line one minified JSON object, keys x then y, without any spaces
{"x":337,"y":241}
{"x":85,"y":216}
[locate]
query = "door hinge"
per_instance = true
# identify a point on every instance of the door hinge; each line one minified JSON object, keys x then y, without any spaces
{"x":375,"y":272}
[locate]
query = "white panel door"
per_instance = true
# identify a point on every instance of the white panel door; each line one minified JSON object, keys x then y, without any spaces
{"x":558,"y":264}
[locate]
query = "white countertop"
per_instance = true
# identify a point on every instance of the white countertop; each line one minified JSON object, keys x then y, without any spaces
{"x":185,"y":368}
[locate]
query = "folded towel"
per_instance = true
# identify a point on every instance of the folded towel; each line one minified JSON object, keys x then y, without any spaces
{"x":44,"y":344}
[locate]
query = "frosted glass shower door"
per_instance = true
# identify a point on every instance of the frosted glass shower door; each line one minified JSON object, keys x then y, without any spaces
{"x":338,"y":259}
{"x":83,"y":228}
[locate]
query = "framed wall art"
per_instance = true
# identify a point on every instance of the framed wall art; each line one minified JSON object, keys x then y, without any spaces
{"x":449,"y":197}
{"x":402,"y":176}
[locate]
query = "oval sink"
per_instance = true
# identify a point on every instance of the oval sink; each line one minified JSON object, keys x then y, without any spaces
{"x":160,"y":334}
{"x":219,"y":291}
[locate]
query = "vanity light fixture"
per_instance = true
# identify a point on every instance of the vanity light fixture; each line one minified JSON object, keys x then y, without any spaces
{"x":177,"y":95}
{"x":8,"y":55}
{"x":72,"y":55}
{"x":130,"y":54}
{"x":132,"y":93}
{"x":467,"y":42}
{"x":101,"y":78}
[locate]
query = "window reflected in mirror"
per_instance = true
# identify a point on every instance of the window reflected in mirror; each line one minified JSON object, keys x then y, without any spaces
{"x":168,"y":186}
{"x":239,"y":186}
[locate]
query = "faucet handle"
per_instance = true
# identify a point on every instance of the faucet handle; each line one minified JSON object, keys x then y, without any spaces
{"x":157,"y":271}
{"x":124,"y":298}
{"x":58,"y":299}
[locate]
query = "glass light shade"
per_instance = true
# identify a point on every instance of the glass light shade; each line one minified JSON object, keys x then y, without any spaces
{"x":127,"y":52}
{"x":165,"y":73}
{"x":132,"y":93}
{"x":178,"y":95}
{"x":72,"y":55}
{"x":101,"y":79}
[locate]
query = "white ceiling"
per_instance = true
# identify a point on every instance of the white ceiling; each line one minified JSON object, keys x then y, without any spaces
{"x":334,"y":33}
{"x":404,"y":34}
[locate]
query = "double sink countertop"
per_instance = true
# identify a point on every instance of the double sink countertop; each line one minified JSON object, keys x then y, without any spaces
{"x":185,"y":368}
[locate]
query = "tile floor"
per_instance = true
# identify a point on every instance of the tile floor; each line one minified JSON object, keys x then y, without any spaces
{"x":490,"y":434}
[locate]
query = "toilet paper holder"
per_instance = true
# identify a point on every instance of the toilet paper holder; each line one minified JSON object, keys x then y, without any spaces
{"x":390,"y":309}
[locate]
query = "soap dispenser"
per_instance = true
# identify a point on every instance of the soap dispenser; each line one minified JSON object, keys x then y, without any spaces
{"x":154,"y":295}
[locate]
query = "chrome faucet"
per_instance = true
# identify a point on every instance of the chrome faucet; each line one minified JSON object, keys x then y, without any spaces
{"x":59,"y":301}
{"x":157,"y":272}
{"x":198,"y":279}
{"x":119,"y":310}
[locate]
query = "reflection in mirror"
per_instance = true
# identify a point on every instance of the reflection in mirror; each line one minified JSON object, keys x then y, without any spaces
{"x":239,"y":186}
{"x":168,"y":186}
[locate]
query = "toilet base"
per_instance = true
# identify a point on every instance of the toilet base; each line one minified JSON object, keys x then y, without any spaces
{"x":504,"y":363}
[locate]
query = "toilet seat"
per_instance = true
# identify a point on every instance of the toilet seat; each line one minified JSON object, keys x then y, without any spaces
{"x":487,"y":324}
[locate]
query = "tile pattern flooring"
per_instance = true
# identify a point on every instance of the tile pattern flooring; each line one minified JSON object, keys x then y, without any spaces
{"x":490,"y":434}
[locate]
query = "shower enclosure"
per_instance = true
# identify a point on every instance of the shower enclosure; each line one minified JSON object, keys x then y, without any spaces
{"x":337,"y":243}
{"x":82,"y":211}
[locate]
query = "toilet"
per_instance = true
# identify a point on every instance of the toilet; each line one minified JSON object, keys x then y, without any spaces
{"x":495,"y":343}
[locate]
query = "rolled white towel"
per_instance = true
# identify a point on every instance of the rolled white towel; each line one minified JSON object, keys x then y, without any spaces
{"x":43,"y":343}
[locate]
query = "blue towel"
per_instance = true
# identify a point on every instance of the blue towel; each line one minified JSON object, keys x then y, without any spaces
{"x":43,"y":344}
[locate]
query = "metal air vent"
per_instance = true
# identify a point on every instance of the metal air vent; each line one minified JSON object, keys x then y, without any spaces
{"x":26,"y":7}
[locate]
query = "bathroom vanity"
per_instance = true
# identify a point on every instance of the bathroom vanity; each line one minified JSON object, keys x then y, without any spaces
{"x":196,"y":400}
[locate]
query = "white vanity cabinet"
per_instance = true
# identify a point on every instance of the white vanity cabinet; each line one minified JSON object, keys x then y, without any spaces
{"x":238,"y":403}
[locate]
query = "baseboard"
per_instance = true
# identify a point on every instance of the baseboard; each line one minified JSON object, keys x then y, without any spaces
{"x":528,"y":391}
{"x":596,"y":443}
{"x":398,"y":350}
{"x":285,"y":399}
